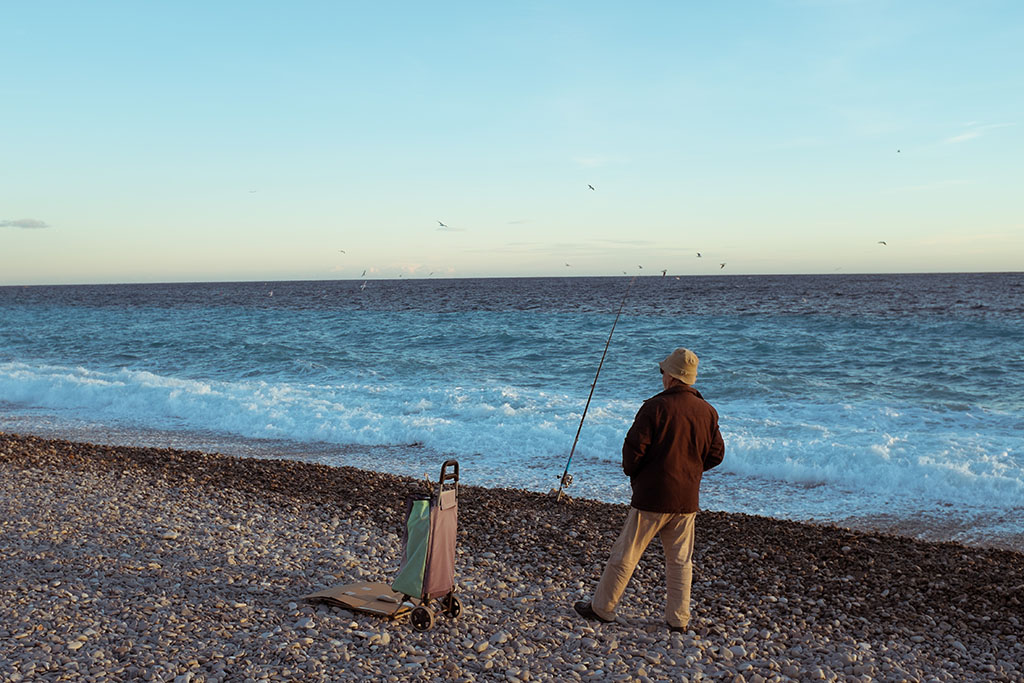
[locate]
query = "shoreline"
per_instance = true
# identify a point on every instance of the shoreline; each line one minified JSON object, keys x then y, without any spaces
{"x":970,"y":527}
{"x":161,"y":564}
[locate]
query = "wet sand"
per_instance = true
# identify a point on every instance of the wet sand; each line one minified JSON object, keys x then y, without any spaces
{"x":153,"y":564}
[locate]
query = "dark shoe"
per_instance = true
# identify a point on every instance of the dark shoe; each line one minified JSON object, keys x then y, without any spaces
{"x":585,"y":610}
{"x":678,"y":629}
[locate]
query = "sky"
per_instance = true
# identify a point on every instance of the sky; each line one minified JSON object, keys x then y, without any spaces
{"x":227,"y":141}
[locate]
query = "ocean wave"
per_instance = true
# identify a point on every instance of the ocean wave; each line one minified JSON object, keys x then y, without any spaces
{"x":956,"y":458}
{"x":943,"y":456}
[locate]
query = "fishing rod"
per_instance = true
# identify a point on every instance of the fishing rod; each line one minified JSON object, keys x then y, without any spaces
{"x":566,"y":479}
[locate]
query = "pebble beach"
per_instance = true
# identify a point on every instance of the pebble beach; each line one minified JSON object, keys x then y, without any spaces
{"x":125,"y":564}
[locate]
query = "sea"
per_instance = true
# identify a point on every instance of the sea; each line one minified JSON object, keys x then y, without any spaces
{"x":892,"y":403}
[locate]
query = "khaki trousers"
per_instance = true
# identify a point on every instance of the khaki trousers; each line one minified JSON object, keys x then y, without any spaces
{"x":676,"y":532}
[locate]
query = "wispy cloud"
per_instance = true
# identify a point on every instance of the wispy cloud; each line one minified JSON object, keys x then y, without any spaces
{"x":976,"y":241}
{"x":593,"y":161}
{"x":963,"y":137}
{"x":26,"y":223}
{"x":593,"y":247}
{"x":627,"y":243}
{"x":974,"y":130}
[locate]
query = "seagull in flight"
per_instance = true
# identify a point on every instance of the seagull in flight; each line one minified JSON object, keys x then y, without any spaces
{"x":342,"y":251}
{"x":442,"y":224}
{"x":364,"y":273}
{"x":663,"y":272}
{"x":590,"y":186}
{"x":362,"y":287}
{"x":698,"y":254}
{"x":721,"y":265}
{"x":882,"y":242}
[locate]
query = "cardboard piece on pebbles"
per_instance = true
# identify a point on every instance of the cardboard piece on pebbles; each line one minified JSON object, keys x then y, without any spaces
{"x":375,"y":598}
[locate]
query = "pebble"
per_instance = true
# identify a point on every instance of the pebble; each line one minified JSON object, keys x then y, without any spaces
{"x":94,"y":591}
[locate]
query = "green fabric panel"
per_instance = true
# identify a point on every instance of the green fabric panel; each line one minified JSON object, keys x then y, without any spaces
{"x":417,"y":535}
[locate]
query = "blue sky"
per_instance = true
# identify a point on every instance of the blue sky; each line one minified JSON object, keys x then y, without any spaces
{"x":146,"y":142}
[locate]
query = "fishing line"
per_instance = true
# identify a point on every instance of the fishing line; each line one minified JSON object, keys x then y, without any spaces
{"x":566,"y":479}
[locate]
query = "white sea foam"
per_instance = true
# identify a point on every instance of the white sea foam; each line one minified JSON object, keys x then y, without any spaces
{"x":878,"y":450}
{"x":523,"y":434}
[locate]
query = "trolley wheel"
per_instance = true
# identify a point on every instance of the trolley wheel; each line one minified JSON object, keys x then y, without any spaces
{"x":422,"y":618}
{"x":452,"y":606}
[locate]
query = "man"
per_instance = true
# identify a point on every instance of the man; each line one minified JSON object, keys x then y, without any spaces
{"x":673,"y":441}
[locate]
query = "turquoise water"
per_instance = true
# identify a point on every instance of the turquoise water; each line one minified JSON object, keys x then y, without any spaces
{"x":894,"y":402}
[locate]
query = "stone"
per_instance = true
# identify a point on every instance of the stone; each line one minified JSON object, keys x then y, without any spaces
{"x":197,"y":606}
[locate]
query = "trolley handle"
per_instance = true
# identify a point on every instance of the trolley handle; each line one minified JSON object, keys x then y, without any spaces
{"x":446,"y":475}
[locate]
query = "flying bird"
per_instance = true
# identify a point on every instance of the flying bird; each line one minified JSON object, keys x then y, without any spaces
{"x":663,"y":272}
{"x":342,"y":251}
{"x":362,"y":287}
{"x":590,"y":186}
{"x":698,"y":254}
{"x":721,"y":265}
{"x":566,"y":265}
{"x":364,"y":273}
{"x":442,"y":224}
{"x":882,"y":242}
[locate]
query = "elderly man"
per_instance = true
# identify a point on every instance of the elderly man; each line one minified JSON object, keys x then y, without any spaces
{"x":673,"y":441}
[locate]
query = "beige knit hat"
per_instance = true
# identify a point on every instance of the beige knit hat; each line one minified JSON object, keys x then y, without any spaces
{"x":681,"y":364}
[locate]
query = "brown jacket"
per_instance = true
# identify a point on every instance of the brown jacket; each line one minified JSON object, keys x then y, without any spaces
{"x":673,"y":441}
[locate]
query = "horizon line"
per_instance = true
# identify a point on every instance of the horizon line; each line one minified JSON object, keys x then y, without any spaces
{"x":511,"y":277}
